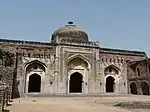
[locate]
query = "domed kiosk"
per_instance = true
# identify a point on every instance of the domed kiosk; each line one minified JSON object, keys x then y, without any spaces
{"x":70,"y":32}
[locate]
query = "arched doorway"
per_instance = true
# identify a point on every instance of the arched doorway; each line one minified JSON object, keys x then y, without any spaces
{"x":75,"y":83}
{"x":35,"y":74}
{"x":34,"y":83}
{"x":145,"y":88}
{"x":110,"y":82}
{"x":133,"y":88}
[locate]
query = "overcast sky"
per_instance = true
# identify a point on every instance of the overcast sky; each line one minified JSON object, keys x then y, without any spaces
{"x":123,"y":24}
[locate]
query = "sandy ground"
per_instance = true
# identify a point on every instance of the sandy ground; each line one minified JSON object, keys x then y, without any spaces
{"x":72,"y":104}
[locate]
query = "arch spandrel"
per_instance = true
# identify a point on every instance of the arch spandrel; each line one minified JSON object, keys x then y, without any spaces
{"x":35,"y":62}
{"x":111,"y":69}
{"x":114,"y":66}
{"x":78,"y":63}
{"x":81,"y":57}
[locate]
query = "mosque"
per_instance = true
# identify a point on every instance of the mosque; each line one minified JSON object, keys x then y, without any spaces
{"x":70,"y":63}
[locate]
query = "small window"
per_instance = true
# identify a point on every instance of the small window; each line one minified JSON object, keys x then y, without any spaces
{"x":138,"y":71}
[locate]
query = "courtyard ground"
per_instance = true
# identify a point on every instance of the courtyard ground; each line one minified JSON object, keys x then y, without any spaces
{"x":75,"y":104}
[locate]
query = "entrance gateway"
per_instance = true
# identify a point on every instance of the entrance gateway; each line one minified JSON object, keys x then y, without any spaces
{"x":110,"y":82}
{"x":75,"y":84}
{"x":34,"y":83}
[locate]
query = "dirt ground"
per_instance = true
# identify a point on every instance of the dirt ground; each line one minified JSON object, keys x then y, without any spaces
{"x":74,"y":104}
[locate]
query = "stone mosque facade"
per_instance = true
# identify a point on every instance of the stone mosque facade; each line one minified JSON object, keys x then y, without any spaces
{"x":70,"y":63}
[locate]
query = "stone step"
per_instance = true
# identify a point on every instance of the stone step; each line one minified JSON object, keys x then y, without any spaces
{"x":73,"y":95}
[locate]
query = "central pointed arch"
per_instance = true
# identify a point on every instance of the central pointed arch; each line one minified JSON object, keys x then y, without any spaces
{"x":78,"y":71}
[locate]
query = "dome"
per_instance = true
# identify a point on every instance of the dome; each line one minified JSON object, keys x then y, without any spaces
{"x":70,"y":32}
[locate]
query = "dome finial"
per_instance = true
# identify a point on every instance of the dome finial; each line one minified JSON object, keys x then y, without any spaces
{"x":70,"y":22}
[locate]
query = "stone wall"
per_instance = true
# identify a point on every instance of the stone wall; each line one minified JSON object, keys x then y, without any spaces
{"x":139,"y":77}
{"x":57,"y":62}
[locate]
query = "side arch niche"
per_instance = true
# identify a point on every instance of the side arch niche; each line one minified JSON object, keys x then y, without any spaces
{"x":133,"y":88}
{"x":145,"y":88}
{"x":114,"y":81}
{"x":35,"y":75}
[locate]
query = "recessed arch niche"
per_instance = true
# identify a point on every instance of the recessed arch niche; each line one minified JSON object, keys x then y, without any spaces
{"x":35,"y":73}
{"x":133,"y":88}
{"x":145,"y":88}
{"x":78,"y":65}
